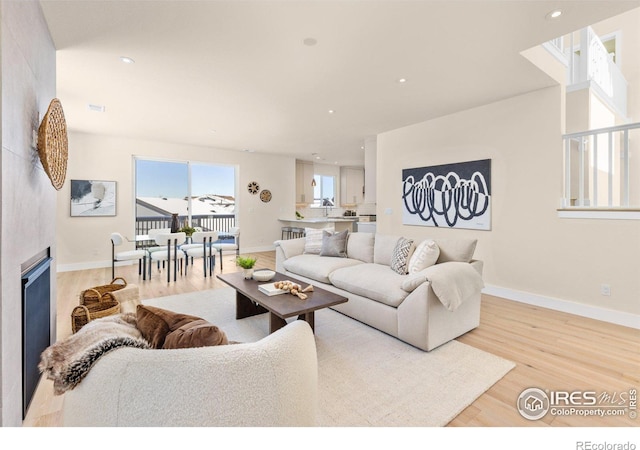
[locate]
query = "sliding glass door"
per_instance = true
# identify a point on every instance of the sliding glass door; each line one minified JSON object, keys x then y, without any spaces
{"x":202,"y":195}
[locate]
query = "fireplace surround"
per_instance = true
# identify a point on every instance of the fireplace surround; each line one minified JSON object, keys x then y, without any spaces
{"x":36,"y":324}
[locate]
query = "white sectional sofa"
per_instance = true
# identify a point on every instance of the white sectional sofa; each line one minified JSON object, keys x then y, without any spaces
{"x":425,"y":308}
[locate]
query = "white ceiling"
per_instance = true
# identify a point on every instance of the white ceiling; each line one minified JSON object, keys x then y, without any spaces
{"x":241,"y":67}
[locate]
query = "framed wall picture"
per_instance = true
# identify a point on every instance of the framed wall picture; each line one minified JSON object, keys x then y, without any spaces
{"x":454,"y":195}
{"x":93,"y":198}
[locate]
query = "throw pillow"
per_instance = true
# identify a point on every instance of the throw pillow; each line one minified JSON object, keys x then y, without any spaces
{"x":426,"y":255}
{"x":158,"y":326}
{"x":152,"y":327}
{"x":313,"y":240}
{"x":198,"y":333}
{"x":401,"y":254}
{"x":334,"y":244}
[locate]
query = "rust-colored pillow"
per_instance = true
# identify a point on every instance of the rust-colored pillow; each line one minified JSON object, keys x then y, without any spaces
{"x":198,"y":333}
{"x":152,"y":326}
{"x":167,"y":329}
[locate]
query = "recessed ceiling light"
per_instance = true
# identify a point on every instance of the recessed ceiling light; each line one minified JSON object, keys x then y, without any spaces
{"x":402,"y":80}
{"x":310,"y":42}
{"x":554,"y":14}
{"x":212,"y":131}
{"x":96,"y":108}
{"x":317,"y":157}
{"x":127,"y":60}
{"x":331,"y":111}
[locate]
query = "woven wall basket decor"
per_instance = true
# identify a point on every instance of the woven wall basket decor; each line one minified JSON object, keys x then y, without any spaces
{"x":53,"y":144}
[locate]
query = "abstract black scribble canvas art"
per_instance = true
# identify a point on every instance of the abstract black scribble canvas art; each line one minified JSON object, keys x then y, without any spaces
{"x":450,"y":195}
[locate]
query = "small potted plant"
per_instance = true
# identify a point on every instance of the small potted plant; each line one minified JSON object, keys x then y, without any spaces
{"x":247,"y":263}
{"x":186,"y":229}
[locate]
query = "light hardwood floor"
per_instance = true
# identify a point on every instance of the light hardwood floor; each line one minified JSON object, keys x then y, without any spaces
{"x":552,"y":350}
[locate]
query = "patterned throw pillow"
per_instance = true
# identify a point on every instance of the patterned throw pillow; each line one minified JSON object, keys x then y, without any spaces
{"x":426,"y":255}
{"x":313,"y":241}
{"x":400,"y":256}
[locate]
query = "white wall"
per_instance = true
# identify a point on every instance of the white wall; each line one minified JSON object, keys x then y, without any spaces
{"x":28,"y":199}
{"x":84,"y":241}
{"x":529,"y":249}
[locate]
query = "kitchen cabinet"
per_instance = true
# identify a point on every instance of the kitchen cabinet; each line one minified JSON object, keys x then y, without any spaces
{"x":304,"y":177}
{"x":351,"y":186}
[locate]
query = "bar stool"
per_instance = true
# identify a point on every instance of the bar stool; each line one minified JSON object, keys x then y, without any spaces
{"x":297,"y":232}
{"x":286,"y":232}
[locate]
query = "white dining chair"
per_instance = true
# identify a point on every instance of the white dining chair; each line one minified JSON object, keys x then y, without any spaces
{"x":201,"y":247}
{"x":152,"y":248}
{"x":171,"y":243}
{"x":228,"y":246}
{"x":131,"y":255}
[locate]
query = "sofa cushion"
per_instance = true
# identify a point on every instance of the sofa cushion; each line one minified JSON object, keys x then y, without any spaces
{"x":401,"y":254}
{"x":375,"y":281}
{"x":456,"y":250}
{"x":334,"y":244}
{"x":383,"y":248}
{"x":360,"y":246}
{"x":317,"y":267}
{"x":425,"y":255}
{"x":198,"y":333}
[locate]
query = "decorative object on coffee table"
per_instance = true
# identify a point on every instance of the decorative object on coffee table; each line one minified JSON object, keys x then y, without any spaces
{"x":53,"y":145}
{"x":247,"y":263}
{"x":263,"y":275}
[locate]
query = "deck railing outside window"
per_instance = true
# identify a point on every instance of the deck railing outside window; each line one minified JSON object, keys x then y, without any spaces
{"x":213,"y":222}
{"x":602,"y":168}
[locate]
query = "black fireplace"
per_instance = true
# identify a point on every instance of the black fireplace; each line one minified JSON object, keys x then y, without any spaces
{"x":36,"y":321}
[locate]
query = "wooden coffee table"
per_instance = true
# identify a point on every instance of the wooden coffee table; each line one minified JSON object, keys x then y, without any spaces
{"x":250,"y":301}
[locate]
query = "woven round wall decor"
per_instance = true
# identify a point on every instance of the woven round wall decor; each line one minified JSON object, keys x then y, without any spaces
{"x":53,"y":146}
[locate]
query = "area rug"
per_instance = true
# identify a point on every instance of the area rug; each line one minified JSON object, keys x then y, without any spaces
{"x":366,"y":378}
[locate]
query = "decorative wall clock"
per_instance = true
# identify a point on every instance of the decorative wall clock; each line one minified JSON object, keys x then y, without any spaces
{"x":265,"y":195}
{"x":253,"y":188}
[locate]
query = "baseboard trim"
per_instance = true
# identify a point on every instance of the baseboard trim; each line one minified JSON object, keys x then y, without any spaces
{"x":556,"y":304}
{"x":87,"y":265}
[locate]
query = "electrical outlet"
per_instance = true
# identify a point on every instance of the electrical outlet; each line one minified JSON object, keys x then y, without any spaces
{"x":605,"y":289}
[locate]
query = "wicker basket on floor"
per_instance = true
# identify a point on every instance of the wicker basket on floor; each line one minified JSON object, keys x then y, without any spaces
{"x":94,"y":294}
{"x":82,"y":315}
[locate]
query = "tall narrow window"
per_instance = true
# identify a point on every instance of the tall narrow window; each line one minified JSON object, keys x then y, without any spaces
{"x":323,"y":191}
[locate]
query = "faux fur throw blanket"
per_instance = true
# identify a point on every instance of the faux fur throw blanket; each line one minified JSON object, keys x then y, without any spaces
{"x":68,"y":361}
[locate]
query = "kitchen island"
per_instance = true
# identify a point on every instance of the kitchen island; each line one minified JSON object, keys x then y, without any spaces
{"x":339,"y":223}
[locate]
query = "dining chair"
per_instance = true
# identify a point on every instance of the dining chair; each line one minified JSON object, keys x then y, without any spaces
{"x":171,"y":243}
{"x":220,"y":247}
{"x":201,"y":247}
{"x":153,"y":233}
{"x":131,"y":255}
